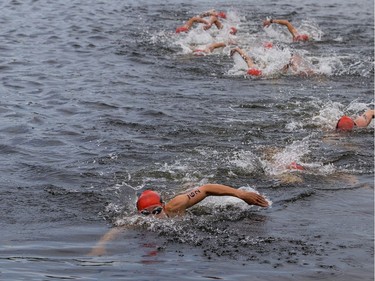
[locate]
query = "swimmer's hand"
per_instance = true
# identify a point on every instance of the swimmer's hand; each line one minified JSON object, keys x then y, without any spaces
{"x":253,"y":198}
{"x":266,"y":23}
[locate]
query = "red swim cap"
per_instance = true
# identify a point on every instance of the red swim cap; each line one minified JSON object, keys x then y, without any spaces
{"x":301,"y":37}
{"x":148,"y":198}
{"x":199,"y":52}
{"x":222,"y":15}
{"x":254,"y":72}
{"x":296,"y":166}
{"x":182,"y":29}
{"x":345,"y":123}
{"x":268,"y":45}
{"x":233,"y":30}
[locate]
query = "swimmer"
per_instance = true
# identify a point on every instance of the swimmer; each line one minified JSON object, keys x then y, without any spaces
{"x":150,"y":204}
{"x":296,"y":36}
{"x":345,"y":123}
{"x":297,"y":65}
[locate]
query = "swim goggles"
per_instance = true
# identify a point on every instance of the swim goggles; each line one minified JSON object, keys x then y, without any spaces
{"x":155,"y":211}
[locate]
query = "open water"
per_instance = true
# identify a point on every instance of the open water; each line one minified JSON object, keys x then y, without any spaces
{"x":102,"y":99}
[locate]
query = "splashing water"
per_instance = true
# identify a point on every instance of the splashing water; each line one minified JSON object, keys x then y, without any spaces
{"x":332,"y":111}
{"x":281,"y":160}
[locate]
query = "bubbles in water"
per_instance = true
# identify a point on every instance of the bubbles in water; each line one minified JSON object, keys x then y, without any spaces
{"x":245,"y":162}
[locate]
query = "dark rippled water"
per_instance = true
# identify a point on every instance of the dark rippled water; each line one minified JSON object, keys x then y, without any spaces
{"x":101,"y":99}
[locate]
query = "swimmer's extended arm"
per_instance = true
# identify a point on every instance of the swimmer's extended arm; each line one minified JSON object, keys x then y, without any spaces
{"x":193,"y":20}
{"x":180,"y":203}
{"x":214,"y":46}
{"x":244,"y":55}
{"x":290,"y":27}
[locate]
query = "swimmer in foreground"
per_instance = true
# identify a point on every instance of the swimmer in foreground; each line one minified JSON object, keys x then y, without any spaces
{"x":346,"y":123}
{"x":150,"y":203}
{"x":296,"y":36}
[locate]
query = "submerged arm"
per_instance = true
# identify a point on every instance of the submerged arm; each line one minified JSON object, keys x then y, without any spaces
{"x":99,"y":248}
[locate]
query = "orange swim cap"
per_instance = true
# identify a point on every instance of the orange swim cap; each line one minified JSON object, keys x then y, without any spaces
{"x":268,"y":45}
{"x":254,"y":72}
{"x":222,"y":15}
{"x":148,"y":198}
{"x":199,"y":52}
{"x":301,"y":37}
{"x":181,"y":29}
{"x":345,"y":123}
{"x":233,"y":30}
{"x":296,"y":166}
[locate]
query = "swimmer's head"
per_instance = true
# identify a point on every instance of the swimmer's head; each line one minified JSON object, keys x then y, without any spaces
{"x":345,"y":123}
{"x":147,"y":199}
{"x":301,"y":37}
{"x":222,"y":15}
{"x":295,"y":166}
{"x":254,"y":72}
{"x":233,"y":30}
{"x":268,"y":45}
{"x":182,"y":29}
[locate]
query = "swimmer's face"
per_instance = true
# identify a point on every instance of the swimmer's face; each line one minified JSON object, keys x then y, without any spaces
{"x":156,"y":211}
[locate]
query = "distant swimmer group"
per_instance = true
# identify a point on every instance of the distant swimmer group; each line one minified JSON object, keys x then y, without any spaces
{"x":297,"y":65}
